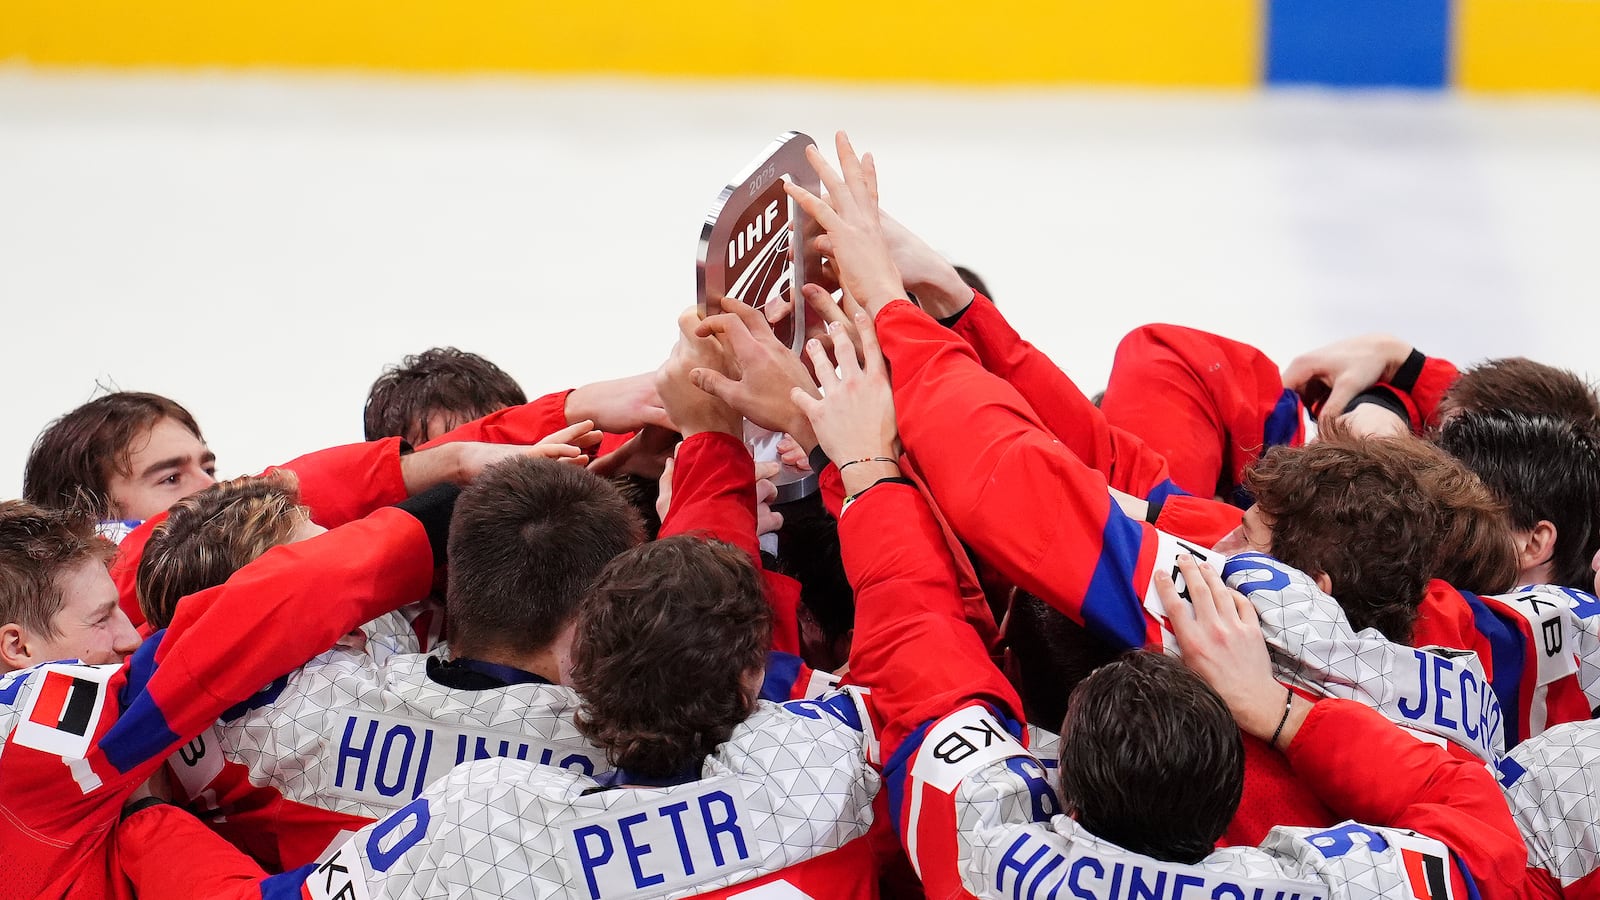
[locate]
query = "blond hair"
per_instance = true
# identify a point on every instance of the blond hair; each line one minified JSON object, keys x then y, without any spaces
{"x":212,"y":534}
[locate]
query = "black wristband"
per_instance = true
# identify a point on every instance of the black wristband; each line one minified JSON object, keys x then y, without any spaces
{"x":818,"y":458}
{"x":1405,"y":378}
{"x":1152,"y":511}
{"x":1384,"y":397}
{"x":888,"y":479}
{"x":951,"y":320}
{"x":140,"y":805}
{"x":433,"y":509}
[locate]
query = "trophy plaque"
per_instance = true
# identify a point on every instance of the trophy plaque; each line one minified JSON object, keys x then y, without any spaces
{"x":752,"y":249}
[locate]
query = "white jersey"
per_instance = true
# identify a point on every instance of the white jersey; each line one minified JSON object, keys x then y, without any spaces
{"x":979,"y":821}
{"x":1552,"y":783}
{"x":346,"y":739}
{"x":1437,"y":694}
{"x":779,"y":812}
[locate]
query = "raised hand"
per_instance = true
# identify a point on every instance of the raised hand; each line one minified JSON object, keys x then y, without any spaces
{"x":620,"y":405}
{"x":859,"y":249}
{"x":1344,"y":369}
{"x":1220,"y":636}
{"x":764,"y":373}
{"x":691,"y":408}
{"x":854,"y":420}
{"x":644,"y":454}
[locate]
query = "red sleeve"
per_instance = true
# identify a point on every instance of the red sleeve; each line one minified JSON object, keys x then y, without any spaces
{"x":343,"y":484}
{"x":1209,"y":405}
{"x":167,"y":853}
{"x":224,"y":645}
{"x":1198,"y":519}
{"x":714,"y":493}
{"x":1398,"y":781}
{"x":525,"y":424}
{"x":1027,"y":505}
{"x":1127,"y":462}
{"x":1422,"y":398}
{"x":909,"y":614}
{"x":339,"y":485}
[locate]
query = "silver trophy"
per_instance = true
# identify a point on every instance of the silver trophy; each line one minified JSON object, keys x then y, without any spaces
{"x":753,"y":249}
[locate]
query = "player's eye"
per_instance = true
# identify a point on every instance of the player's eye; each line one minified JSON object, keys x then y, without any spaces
{"x":170,"y":479}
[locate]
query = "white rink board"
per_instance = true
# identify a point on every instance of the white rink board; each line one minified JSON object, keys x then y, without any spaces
{"x":258,"y":247}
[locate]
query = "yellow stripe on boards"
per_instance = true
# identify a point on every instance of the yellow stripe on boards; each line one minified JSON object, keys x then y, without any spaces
{"x":1136,"y":42}
{"x":1528,"y":45}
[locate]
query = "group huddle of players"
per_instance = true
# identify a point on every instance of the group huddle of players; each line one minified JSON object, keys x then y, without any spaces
{"x":1227,"y":631}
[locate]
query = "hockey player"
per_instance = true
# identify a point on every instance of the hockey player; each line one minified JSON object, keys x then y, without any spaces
{"x":527,"y":539}
{"x":717,"y":794}
{"x":79,"y":739}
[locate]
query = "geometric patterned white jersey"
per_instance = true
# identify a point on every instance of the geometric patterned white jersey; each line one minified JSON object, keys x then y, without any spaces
{"x":1010,"y":840}
{"x":1551,"y":782}
{"x":789,"y":789}
{"x":350,"y":734}
{"x":1435,"y":694}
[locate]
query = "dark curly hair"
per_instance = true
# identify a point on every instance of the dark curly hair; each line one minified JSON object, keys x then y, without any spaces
{"x":1381,"y":517}
{"x":666,"y":639}
{"x":444,"y":382}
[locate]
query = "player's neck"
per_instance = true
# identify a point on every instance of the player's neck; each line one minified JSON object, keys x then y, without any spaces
{"x":542,"y":663}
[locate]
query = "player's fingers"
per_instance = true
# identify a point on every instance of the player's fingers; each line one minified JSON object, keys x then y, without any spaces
{"x":777,"y":310}
{"x":832,"y":182}
{"x":1205,"y":609}
{"x":808,"y":405}
{"x":754,"y":322}
{"x":1338,"y":398}
{"x":850,"y":167}
{"x":732,"y":330}
{"x":767,"y":468}
{"x":717,"y":385}
{"x":822,"y":366}
{"x":869,"y":342}
{"x":1301,"y":371}
{"x":553,"y":451}
{"x":569,"y":434}
{"x":822,"y":303}
{"x":844,"y":353}
{"x":869,"y":173}
{"x":657,"y":416}
{"x":766,"y":491}
{"x":1178,"y":612}
{"x":1220,"y":594}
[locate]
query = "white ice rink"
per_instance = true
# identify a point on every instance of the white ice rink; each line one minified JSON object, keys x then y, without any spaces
{"x":259,"y":247}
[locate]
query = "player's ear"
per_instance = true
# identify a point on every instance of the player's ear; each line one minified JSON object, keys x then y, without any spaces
{"x":1324,"y":583}
{"x":1535,"y":547}
{"x":14,"y":650}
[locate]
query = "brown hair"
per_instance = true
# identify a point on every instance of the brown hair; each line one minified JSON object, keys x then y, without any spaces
{"x":1380,"y":517}
{"x":1521,"y":385}
{"x":444,"y":381}
{"x":527,"y":539}
{"x":36,"y":546}
{"x":1151,"y":758}
{"x":73,"y":459}
{"x":210,"y":535}
{"x":664,"y":643}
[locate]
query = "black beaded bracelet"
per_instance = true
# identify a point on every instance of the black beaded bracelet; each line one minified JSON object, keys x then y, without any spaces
{"x":1288,"y":703}
{"x":886,"y":459}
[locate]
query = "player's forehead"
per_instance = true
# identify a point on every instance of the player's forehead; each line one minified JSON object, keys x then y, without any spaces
{"x":86,"y":589}
{"x":166,"y":438}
